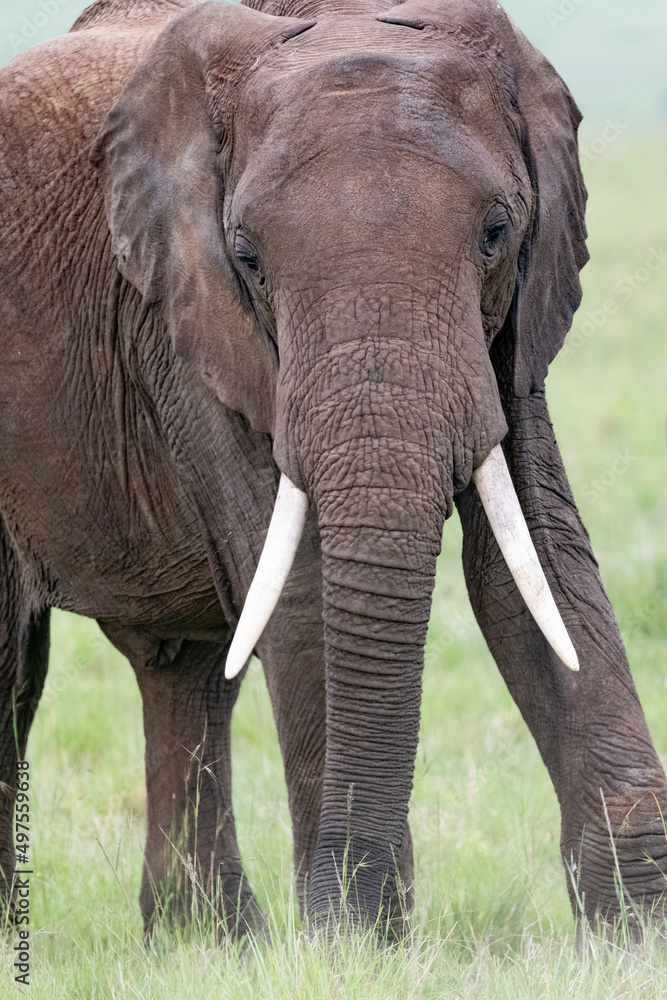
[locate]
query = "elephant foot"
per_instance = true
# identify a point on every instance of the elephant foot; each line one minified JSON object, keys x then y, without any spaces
{"x":236,"y":907}
{"x":224,"y":907}
{"x":14,"y":893}
{"x":617,"y":868}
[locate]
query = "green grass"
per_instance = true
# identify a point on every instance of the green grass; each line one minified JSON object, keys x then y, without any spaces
{"x":492,"y":918}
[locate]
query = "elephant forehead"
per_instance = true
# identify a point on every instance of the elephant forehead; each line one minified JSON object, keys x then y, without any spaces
{"x":349,"y":39}
{"x":363,"y":109}
{"x":335,"y":67}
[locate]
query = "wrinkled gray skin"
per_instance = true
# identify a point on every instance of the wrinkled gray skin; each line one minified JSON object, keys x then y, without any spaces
{"x":342,"y":244}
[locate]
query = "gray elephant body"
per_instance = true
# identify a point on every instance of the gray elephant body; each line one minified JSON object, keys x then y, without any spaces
{"x":111,"y":507}
{"x":207,"y":279}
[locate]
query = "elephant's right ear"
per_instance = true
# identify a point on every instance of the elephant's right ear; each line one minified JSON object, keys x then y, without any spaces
{"x":159,"y":154}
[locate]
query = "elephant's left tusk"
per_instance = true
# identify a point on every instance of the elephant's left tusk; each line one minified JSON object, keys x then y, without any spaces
{"x":498,"y":496}
{"x":282,"y":541}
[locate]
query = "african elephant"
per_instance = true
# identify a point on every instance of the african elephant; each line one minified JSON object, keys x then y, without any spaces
{"x":337,"y":242}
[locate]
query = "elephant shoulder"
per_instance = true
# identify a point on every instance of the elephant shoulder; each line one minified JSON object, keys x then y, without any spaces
{"x":54,"y":96}
{"x":53,"y":99}
{"x":115,"y":11}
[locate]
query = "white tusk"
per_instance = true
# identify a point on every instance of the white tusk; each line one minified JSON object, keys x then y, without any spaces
{"x":282,"y":541}
{"x":498,"y":496}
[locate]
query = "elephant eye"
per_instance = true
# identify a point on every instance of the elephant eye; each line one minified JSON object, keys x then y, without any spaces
{"x":496,"y":231}
{"x":247,"y":256}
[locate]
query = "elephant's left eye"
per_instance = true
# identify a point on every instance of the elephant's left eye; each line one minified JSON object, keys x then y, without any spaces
{"x":247,"y":256}
{"x":496,"y":231}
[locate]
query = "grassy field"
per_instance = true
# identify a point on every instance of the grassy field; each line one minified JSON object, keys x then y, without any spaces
{"x":492,"y":917}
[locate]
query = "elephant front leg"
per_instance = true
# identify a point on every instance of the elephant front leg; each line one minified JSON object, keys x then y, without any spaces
{"x":292,"y":653}
{"x":295,"y":679}
{"x":192,"y":857}
{"x":191,"y":835}
{"x":589,"y":727}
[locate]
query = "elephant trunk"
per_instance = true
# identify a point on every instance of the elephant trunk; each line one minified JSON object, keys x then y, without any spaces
{"x":379,"y":550}
{"x":380,"y":427}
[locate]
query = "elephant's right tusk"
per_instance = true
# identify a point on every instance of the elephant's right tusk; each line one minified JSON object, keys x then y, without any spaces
{"x":282,"y":541}
{"x":497,"y":493}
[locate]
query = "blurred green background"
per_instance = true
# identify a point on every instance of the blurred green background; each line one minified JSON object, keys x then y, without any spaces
{"x":492,"y":915}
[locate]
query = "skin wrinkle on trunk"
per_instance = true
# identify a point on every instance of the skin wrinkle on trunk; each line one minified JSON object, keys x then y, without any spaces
{"x":381,"y":774}
{"x":370,"y":657}
{"x":371,"y":364}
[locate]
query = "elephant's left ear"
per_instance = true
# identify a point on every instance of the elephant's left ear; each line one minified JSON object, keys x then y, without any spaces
{"x":548,"y":289}
{"x":159,"y":152}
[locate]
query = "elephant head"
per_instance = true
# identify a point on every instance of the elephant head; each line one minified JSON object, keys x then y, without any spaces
{"x":388,"y":189}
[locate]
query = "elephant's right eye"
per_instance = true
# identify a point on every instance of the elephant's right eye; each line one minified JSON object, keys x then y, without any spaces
{"x":247,"y":255}
{"x":496,"y":231}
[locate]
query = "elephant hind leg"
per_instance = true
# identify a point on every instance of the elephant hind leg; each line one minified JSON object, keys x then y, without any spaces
{"x":24,"y":654}
{"x":187,"y":709}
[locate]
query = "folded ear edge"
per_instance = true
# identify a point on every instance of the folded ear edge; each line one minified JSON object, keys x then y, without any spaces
{"x":158,"y":154}
{"x":548,"y":289}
